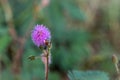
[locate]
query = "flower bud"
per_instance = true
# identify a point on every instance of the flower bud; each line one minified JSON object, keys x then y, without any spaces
{"x":114,"y":59}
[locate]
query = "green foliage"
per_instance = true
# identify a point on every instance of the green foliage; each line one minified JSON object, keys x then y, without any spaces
{"x":73,"y":10}
{"x":54,"y":76}
{"x":4,"y":39}
{"x":88,"y":75}
{"x":70,"y":49}
{"x":4,"y":73}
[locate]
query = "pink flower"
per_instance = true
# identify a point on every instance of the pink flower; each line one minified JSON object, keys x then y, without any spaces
{"x":40,"y":34}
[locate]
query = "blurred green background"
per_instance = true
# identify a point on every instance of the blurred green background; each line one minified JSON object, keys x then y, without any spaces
{"x":85,"y":35}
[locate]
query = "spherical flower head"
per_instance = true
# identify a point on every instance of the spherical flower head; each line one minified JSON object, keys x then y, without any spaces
{"x":40,"y":34}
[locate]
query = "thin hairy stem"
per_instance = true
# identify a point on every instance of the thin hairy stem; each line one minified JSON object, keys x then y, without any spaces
{"x":46,"y":72}
{"x":46,"y":63}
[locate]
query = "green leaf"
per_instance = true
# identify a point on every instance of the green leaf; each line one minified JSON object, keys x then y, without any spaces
{"x":88,"y":75}
{"x":4,"y":41}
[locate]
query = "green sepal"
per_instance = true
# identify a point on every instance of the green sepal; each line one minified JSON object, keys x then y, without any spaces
{"x":31,"y":57}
